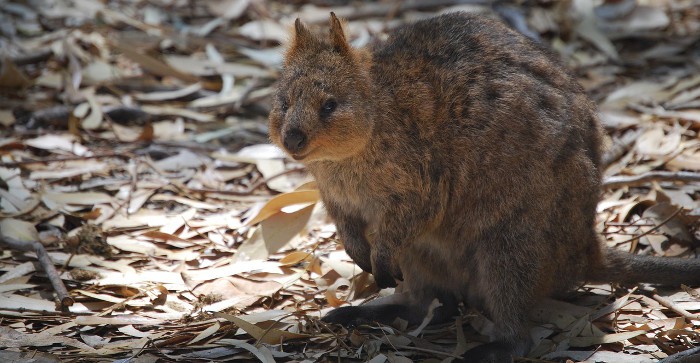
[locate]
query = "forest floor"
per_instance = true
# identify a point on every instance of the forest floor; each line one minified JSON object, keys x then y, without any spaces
{"x":135,"y":174}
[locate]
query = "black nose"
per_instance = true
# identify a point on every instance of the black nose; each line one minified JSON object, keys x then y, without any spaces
{"x":295,"y":140}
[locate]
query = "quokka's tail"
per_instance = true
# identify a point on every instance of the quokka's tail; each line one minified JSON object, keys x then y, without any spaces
{"x":618,"y":266}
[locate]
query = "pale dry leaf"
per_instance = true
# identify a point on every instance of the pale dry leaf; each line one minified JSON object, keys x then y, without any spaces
{"x":99,"y":71}
{"x":204,"y":67}
{"x":640,"y":19}
{"x":234,"y":269}
{"x":68,"y":169}
{"x":16,"y":199}
{"x":23,"y":303}
{"x":268,"y":336}
{"x":169,"y":95}
{"x":206,"y":333}
{"x":263,"y":354}
{"x":141,"y":218}
{"x":184,"y":159}
{"x":233,"y":96}
{"x":273,"y":167}
{"x":588,"y":29}
{"x":270,"y":57}
{"x":10,"y":338}
{"x":118,"y":265}
{"x":640,"y":90}
{"x":130,"y":244}
{"x":130,"y":330}
{"x":605,"y":339}
{"x":95,"y":341}
{"x":94,"y":119}
{"x":170,"y":279}
{"x":65,"y":142}
{"x":165,"y":110}
{"x":58,"y":200}
{"x":279,"y":229}
{"x":689,"y":159}
{"x":264,"y":30}
{"x":654,"y":142}
{"x":261,"y":151}
{"x":600,"y":356}
{"x":345,"y":269}
{"x":141,"y":302}
{"x":19,"y":230}
{"x":275,"y":205}
{"x":7,"y":118}
{"x":228,"y":9}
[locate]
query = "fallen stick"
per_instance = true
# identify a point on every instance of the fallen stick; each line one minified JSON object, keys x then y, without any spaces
{"x":636,"y":180}
{"x":63,"y":299}
{"x":669,"y":304}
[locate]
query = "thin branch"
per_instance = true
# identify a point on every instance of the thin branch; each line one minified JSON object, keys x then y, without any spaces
{"x":63,"y":298}
{"x":652,"y":176}
{"x":67,"y":158}
{"x":653,"y":228}
{"x":668,"y":303}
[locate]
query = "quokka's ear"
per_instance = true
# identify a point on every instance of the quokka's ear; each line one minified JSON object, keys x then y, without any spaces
{"x":340,"y":44}
{"x":302,"y":35}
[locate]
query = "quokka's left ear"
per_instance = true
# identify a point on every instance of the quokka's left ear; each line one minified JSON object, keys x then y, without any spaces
{"x":338,"y":40}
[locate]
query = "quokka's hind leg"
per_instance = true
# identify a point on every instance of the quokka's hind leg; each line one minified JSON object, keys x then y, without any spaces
{"x":404,"y":305}
{"x":506,"y":284}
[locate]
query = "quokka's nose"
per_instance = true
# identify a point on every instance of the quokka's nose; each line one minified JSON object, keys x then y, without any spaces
{"x":294,"y":140}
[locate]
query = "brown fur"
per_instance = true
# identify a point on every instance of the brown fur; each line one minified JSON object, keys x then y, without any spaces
{"x":460,"y":157}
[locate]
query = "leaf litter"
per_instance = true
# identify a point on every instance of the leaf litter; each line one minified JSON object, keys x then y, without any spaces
{"x":133,"y":149}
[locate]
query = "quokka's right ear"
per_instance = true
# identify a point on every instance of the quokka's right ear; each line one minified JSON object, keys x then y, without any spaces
{"x":302,"y":35}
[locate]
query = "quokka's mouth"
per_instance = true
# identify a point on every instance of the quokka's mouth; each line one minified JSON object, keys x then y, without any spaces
{"x":299,"y":156}
{"x":303,"y":155}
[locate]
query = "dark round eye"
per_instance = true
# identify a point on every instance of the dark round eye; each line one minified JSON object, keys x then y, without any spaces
{"x":284,"y":105}
{"x":328,"y":107}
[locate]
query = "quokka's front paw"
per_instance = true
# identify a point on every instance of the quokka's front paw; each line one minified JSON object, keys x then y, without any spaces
{"x":352,"y":316}
{"x":385,"y":269}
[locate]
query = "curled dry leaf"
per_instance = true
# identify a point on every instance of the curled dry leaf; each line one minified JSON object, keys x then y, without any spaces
{"x":296,"y":257}
{"x":655,"y":142}
{"x":276,"y":204}
{"x":267,"y":336}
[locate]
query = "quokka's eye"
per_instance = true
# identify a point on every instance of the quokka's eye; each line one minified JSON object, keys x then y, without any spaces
{"x":284,"y":105}
{"x":328,"y":107}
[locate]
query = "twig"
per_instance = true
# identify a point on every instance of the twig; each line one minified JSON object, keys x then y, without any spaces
{"x":34,"y":246}
{"x":67,"y":158}
{"x":669,"y":304}
{"x":636,"y":180}
{"x":653,"y":228}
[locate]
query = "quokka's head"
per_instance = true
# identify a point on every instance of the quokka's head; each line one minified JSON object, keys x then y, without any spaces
{"x":320,"y":109}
